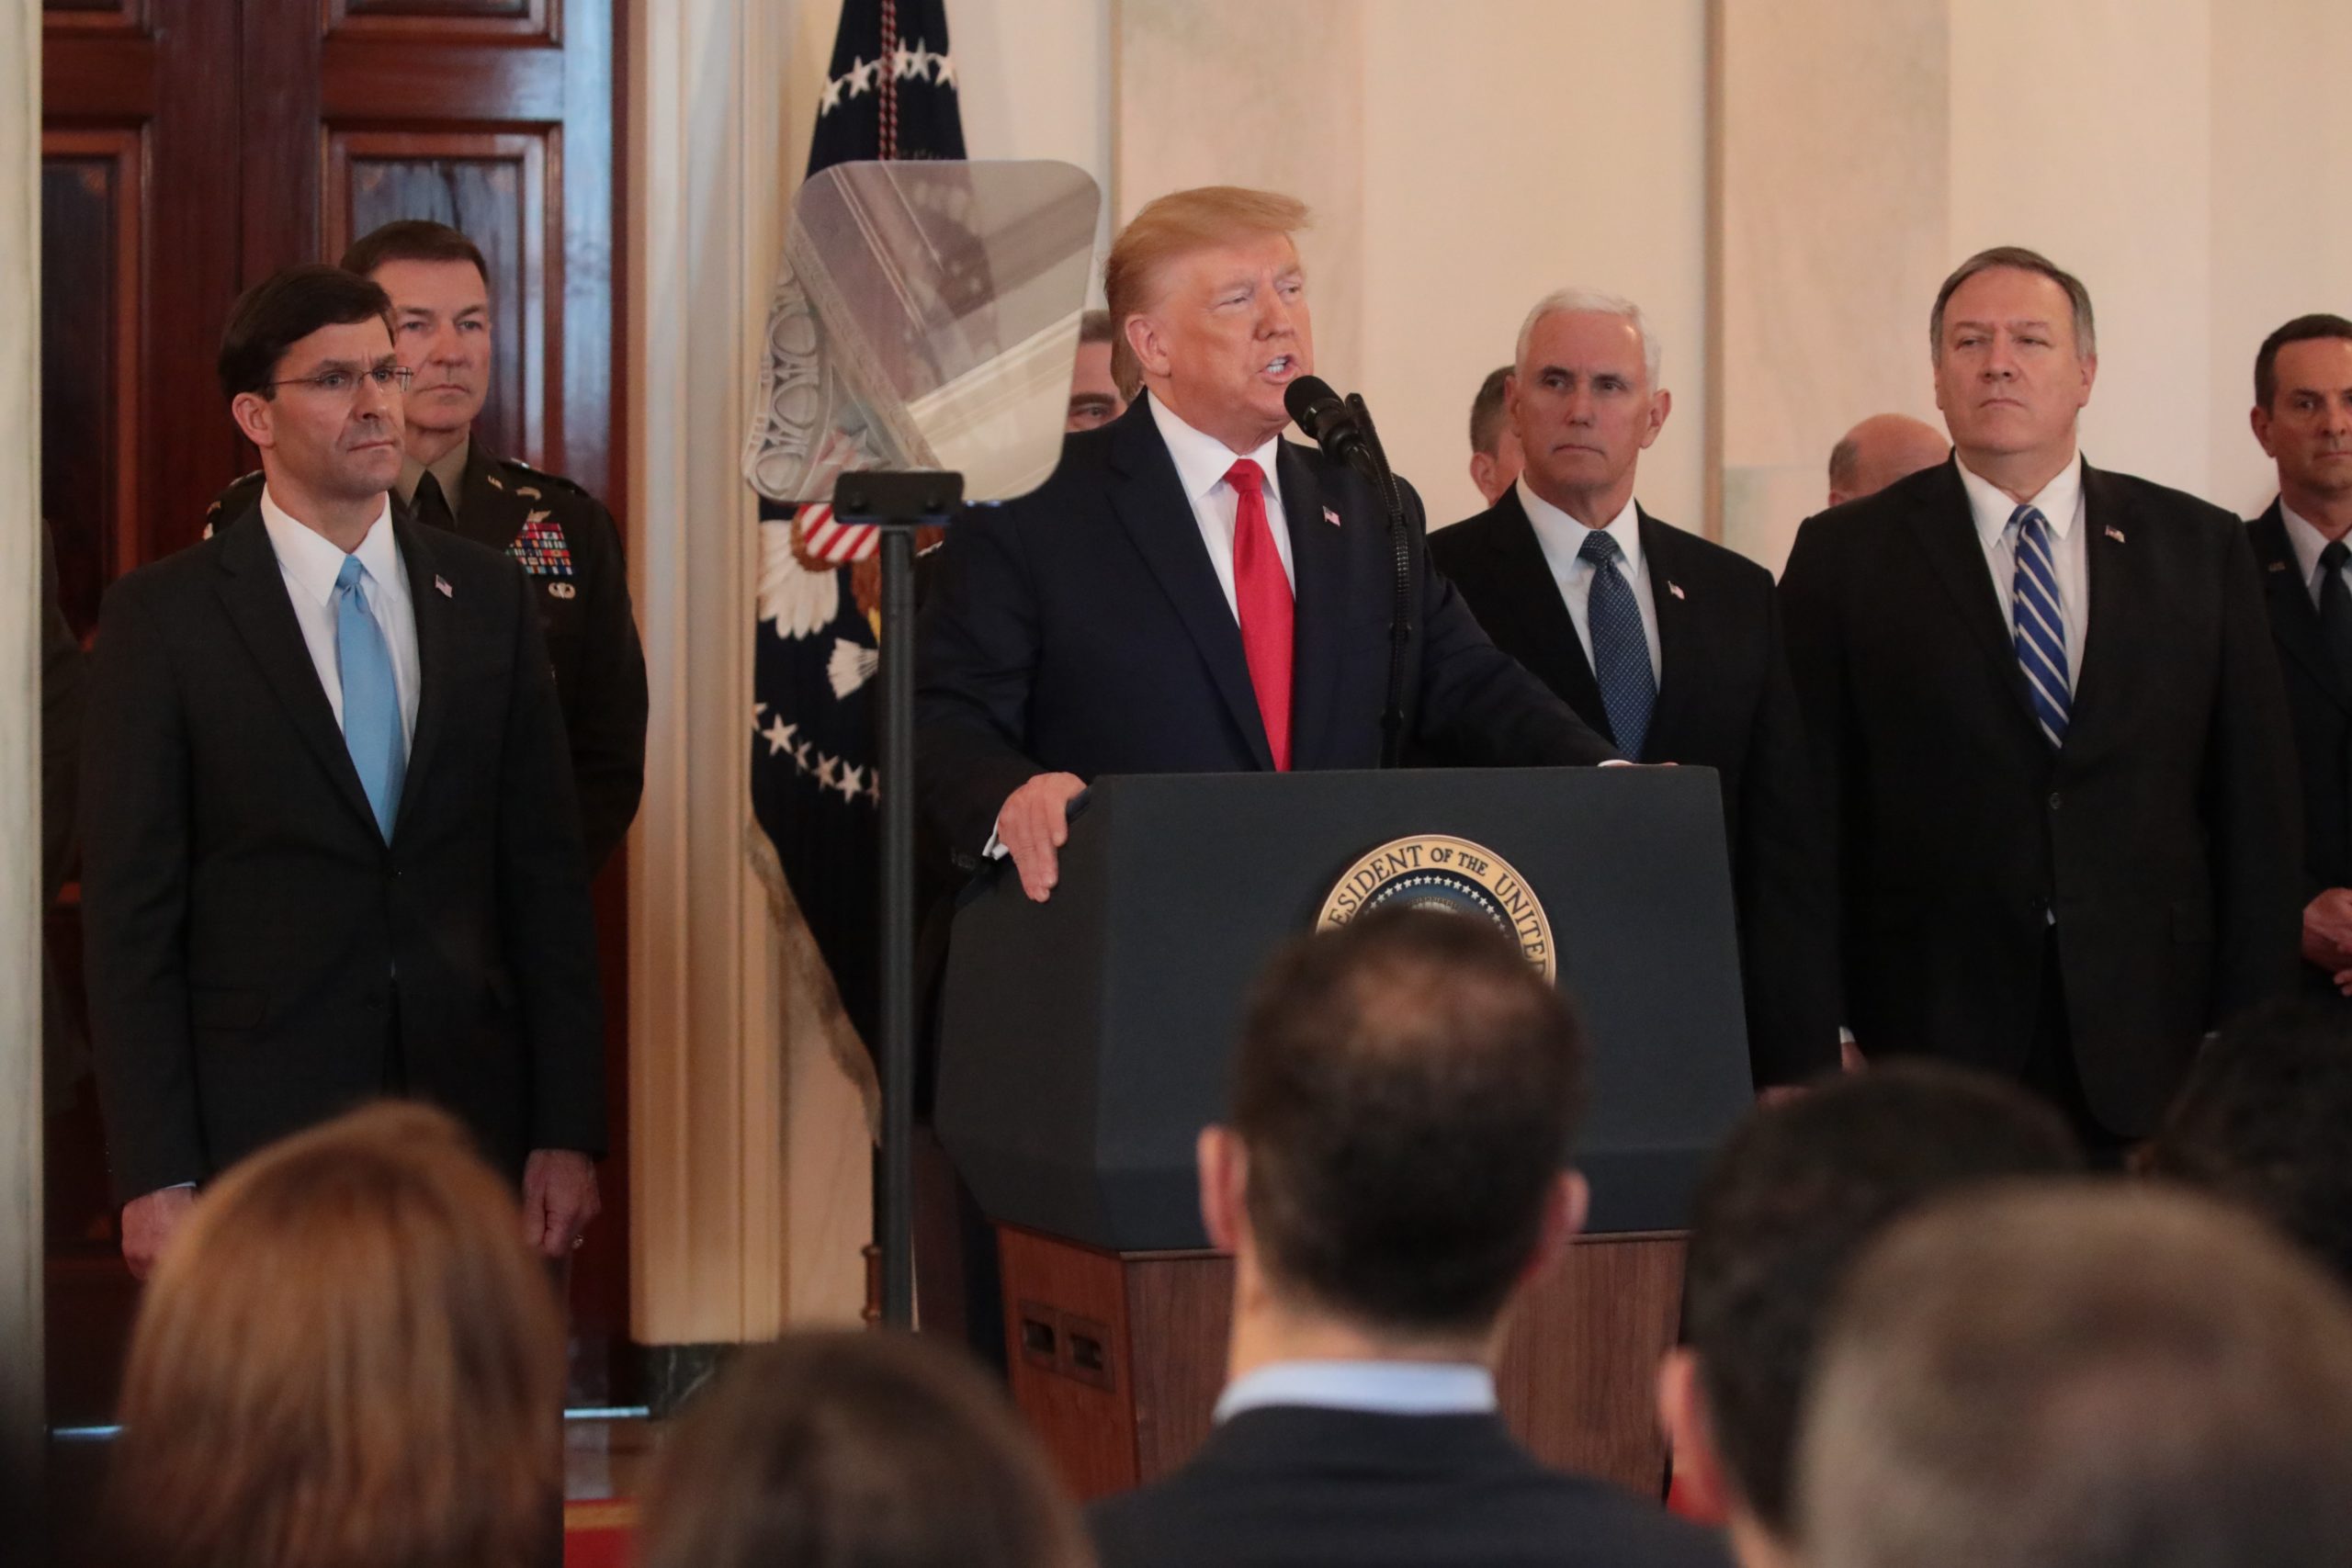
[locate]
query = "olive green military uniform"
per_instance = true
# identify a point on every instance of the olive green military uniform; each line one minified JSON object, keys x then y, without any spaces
{"x":567,"y":543}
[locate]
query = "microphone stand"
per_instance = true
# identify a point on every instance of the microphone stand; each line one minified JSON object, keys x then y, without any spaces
{"x":1400,"y":617}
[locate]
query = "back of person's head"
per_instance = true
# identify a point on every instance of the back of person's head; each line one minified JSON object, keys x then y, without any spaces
{"x":2265,"y":1118}
{"x":1403,"y":1092}
{"x":851,"y":1449}
{"x":1788,"y":1203}
{"x":348,"y":1359}
{"x":2081,"y":1376}
{"x":281,"y":311}
{"x":1487,"y":411}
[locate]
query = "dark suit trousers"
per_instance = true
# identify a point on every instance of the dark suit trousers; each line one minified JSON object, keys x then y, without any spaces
{"x":2050,"y":1069}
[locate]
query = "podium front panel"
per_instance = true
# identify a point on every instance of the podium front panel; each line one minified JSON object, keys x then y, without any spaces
{"x":1086,"y":1040}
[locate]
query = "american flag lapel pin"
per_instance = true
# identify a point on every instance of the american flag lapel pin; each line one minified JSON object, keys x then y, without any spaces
{"x":2114,"y":533}
{"x":443,"y":584}
{"x":2278,"y":566}
{"x":1674,"y":588}
{"x":1331,"y":517}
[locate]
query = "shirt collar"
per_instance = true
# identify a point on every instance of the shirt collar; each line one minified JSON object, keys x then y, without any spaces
{"x":449,"y":473}
{"x":2304,"y":538}
{"x":312,"y":561}
{"x":1566,"y":535}
{"x":1387,"y":1388}
{"x":1203,"y":460}
{"x":2058,"y":502}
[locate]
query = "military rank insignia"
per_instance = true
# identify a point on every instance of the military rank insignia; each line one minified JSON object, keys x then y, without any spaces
{"x":540,"y":548}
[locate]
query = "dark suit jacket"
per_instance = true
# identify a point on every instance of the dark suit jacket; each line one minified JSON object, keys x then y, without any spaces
{"x":1283,"y":1485}
{"x":1080,"y":630}
{"x":1724,"y":702}
{"x":2320,"y":706}
{"x":582,"y":596}
{"x":2164,"y":834}
{"x":247,"y":925}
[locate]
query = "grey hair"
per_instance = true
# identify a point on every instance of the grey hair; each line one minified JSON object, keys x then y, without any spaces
{"x":1563,"y":300}
{"x":2018,"y":258}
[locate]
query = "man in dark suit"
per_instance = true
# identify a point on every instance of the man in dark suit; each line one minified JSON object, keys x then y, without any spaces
{"x":2051,"y":732}
{"x":2302,"y":416}
{"x":562,"y":538}
{"x":1189,"y":592}
{"x":1404,"y":1091}
{"x":330,"y":845}
{"x":1574,"y":579}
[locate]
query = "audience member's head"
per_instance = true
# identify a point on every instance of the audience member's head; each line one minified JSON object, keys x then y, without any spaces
{"x":349,"y":1359}
{"x":856,"y":1450}
{"x":1880,"y":450}
{"x":1209,"y":302}
{"x":312,"y":381}
{"x":2265,"y":1118}
{"x":1494,"y":443}
{"x":1789,"y":1201}
{"x":2080,"y":1376}
{"x":2014,"y":351}
{"x":1095,"y":396}
{"x":1586,"y":401}
{"x":2302,"y":411}
{"x":1403,"y":1092}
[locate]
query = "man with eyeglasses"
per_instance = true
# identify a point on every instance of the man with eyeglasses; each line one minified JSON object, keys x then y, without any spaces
{"x":331,"y":845}
{"x":563,"y":538}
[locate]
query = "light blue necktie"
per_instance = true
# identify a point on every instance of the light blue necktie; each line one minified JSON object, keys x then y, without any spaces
{"x":1620,"y":651}
{"x":2040,"y":624}
{"x":371,"y":698}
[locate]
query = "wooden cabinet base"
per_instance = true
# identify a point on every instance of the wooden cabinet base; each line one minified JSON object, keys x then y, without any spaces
{"x":1117,"y":1357}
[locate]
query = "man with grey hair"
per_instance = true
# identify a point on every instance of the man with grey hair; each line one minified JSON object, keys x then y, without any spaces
{"x":1881,"y":450}
{"x":2080,"y":1376}
{"x":2051,"y":733}
{"x":1665,"y":642}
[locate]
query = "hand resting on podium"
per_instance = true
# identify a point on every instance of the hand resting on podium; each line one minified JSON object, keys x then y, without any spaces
{"x":1033,"y":823}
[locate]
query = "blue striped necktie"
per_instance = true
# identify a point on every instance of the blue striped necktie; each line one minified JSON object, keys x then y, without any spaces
{"x":2040,"y":623}
{"x":371,"y":699}
{"x":1620,"y":649}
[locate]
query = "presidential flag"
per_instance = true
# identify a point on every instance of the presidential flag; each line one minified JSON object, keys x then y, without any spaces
{"x":815,"y":710}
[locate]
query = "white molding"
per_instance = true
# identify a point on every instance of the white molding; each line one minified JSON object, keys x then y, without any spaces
{"x":23,"y":1409}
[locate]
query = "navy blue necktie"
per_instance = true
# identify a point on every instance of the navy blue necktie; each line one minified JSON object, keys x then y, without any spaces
{"x":371,"y":698}
{"x":2040,"y":624}
{"x":1621,"y":650}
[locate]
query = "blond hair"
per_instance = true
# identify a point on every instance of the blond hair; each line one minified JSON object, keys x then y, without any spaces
{"x":1173,"y":226}
{"x":347,"y":1360}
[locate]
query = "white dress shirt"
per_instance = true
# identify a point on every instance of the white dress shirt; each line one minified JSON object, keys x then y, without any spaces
{"x":2307,"y":541}
{"x":1387,"y":1388}
{"x":1563,"y":536}
{"x":311,"y":565}
{"x":1201,"y":462}
{"x":2061,"y":505}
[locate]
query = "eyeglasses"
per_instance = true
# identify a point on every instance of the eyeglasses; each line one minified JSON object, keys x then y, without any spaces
{"x":343,"y":383}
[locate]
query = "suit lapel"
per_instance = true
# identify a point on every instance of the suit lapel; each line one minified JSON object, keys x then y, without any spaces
{"x":435,"y":613}
{"x":1319,"y":563}
{"x":2295,"y":624}
{"x":1680,"y":626}
{"x":253,"y":589}
{"x":1946,"y":530}
{"x":1150,"y":501}
{"x":1535,"y":597}
{"x":2117,"y":589}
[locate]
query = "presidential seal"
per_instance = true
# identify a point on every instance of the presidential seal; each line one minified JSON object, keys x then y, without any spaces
{"x":1429,"y":871}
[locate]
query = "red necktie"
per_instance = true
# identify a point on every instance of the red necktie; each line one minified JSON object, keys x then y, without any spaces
{"x":1261,"y":595}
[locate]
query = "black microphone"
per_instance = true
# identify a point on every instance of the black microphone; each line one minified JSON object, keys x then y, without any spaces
{"x":1330,"y":423}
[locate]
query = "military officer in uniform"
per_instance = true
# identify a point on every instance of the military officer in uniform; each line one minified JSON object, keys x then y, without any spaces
{"x":563,"y":538}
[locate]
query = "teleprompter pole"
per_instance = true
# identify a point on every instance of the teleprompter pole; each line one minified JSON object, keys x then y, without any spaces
{"x":898,"y":503}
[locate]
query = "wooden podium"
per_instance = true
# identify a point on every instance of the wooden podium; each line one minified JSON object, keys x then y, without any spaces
{"x":1117,"y":1357}
{"x":1085,"y":1042}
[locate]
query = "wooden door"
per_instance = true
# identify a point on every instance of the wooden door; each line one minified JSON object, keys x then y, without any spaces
{"x":192,"y":147}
